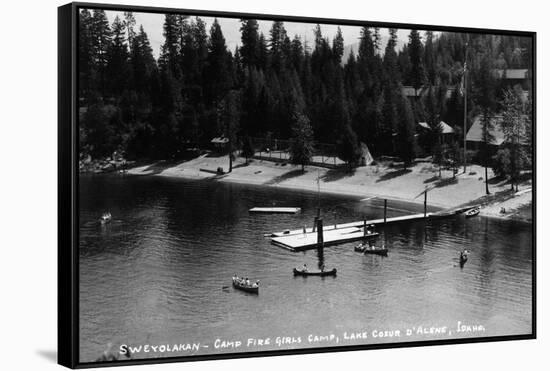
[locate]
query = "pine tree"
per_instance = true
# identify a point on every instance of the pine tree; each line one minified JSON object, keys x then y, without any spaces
{"x":390,"y":58}
{"x":230,"y":117}
{"x":406,"y":146}
{"x":514,"y":126}
{"x":263,"y":53}
{"x":118,"y":67}
{"x":429,"y":58}
{"x":365,"y":57}
{"x":418,"y":76}
{"x":250,"y":38}
{"x":101,"y":40}
{"x":348,"y":147}
{"x":277,"y":40}
{"x":130,"y":23}
{"x":86,"y":72}
{"x":247,"y":150}
{"x":377,"y":39}
{"x":301,"y":147}
{"x":484,"y":91}
{"x":200,"y":38}
{"x":143,"y":62}
{"x":169,"y":55}
{"x":218,"y":69}
{"x":297,"y":54}
{"x":338,"y":46}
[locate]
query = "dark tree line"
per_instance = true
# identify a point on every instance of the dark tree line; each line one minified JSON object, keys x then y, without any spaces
{"x":275,"y":85}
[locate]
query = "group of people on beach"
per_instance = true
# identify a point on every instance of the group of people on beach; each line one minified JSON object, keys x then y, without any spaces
{"x":245,"y":281}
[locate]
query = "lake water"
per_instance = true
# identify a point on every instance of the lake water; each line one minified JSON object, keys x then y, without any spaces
{"x":160,"y":273}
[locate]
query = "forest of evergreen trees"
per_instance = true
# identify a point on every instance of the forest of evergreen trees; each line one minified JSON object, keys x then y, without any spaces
{"x":277,"y":85}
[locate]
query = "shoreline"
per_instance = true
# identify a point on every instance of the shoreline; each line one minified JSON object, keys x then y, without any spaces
{"x":379,"y":181}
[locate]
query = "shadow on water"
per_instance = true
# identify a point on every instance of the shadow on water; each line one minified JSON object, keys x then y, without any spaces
{"x":321,"y":256}
{"x":288,"y":175}
{"x":393,"y":174}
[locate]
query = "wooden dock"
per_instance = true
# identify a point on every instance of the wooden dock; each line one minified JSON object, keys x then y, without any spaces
{"x":307,"y":241}
{"x":306,"y":238}
{"x":275,"y":210}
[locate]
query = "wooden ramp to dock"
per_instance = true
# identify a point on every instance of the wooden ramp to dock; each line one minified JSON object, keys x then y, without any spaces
{"x":297,"y":240}
{"x":275,"y":210}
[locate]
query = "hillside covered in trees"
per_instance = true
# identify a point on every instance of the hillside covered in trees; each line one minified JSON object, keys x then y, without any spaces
{"x":277,"y":85}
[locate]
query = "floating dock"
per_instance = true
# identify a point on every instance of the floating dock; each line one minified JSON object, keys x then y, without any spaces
{"x":307,"y":241}
{"x":306,"y":238}
{"x":275,"y":210}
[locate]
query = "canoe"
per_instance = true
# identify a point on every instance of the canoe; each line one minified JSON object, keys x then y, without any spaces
{"x":377,"y":251}
{"x":244,"y":287}
{"x":472,"y":212}
{"x":382,"y":251}
{"x":299,"y":272}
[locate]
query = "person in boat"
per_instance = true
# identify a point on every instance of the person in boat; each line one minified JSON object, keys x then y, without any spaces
{"x":256,"y":284}
{"x":247,"y":281}
{"x":304,"y":268}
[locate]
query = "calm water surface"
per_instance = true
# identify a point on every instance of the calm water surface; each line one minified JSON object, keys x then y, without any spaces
{"x":158,"y":273}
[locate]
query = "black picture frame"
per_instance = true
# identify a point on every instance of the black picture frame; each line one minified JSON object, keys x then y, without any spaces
{"x":68,"y":182}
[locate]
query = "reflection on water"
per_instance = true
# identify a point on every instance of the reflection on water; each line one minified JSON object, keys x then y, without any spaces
{"x":160,"y":272}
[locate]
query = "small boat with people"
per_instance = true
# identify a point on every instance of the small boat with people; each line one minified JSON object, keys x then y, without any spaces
{"x":244,"y":284}
{"x":306,"y":272}
{"x":105,"y":218}
{"x":472,"y":212}
{"x":371,"y":249}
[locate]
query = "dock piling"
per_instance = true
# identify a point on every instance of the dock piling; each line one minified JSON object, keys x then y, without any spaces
{"x":425,"y":202}
{"x":385,"y":210}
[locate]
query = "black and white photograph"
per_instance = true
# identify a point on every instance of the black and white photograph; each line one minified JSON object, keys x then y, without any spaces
{"x":250,"y":184}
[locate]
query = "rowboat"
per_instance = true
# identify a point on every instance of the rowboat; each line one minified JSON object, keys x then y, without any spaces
{"x":365,"y":249}
{"x":240,"y":285}
{"x":300,"y":272}
{"x":472,"y":212}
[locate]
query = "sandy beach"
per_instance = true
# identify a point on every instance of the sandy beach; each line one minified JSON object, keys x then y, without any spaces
{"x":382,"y":180}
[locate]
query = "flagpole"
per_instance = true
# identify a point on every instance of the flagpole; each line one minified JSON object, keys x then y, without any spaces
{"x":465,"y":102}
